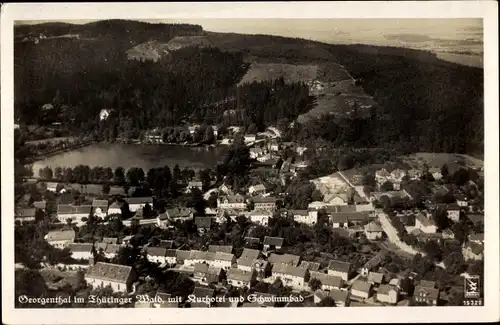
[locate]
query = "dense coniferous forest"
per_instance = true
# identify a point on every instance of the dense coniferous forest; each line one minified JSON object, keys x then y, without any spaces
{"x":424,"y":104}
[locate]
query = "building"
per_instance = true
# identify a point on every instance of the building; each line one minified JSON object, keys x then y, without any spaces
{"x":473,"y":251}
{"x":75,"y":213}
{"x":397,"y":175}
{"x":234,"y":202}
{"x":426,"y":294}
{"x":223,"y":260}
{"x":25,"y":214}
{"x":308,"y":217}
{"x":258,"y":189}
{"x":60,"y":238}
{"x":202,"y":297}
{"x":462,"y":200}
{"x":239,"y":278}
{"x":272,"y":243}
{"x":196,"y":256}
{"x":156,"y":254}
{"x":453,"y":211}
{"x":118,"y":277}
{"x":100,"y":208}
{"x":81,"y":251}
{"x":179,"y":213}
{"x":256,"y":153}
{"x":207,"y":274}
{"x":373,"y":231}
{"x":203,"y":223}
{"x":361,"y":289}
{"x":250,"y":138}
{"x":171,"y":256}
{"x":260,"y":217}
{"x":382,"y":176}
{"x":373,"y":262}
{"x":340,"y":297}
{"x":248,"y":256}
{"x":221,"y":248}
{"x":336,"y":199}
{"x":375,"y":278}
{"x":115,"y":208}
{"x":311,"y":266}
{"x":425,"y":225}
{"x":339,"y":268}
{"x":42,"y":205}
{"x":436,"y":173}
{"x":328,"y":282}
{"x":194,"y":184}
{"x":265,"y":203}
{"x":339,"y":221}
{"x":181,"y":256}
{"x":290,"y":275}
{"x":388,"y":294}
{"x":287,"y":259}
{"x":476,"y":238}
{"x":112,"y":250}
{"x":414,"y":174}
{"x":136,"y":203}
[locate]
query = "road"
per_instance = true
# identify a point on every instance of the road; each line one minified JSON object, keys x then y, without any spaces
{"x":393,"y":235}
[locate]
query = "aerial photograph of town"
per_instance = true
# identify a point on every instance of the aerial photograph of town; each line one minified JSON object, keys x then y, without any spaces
{"x":232,"y":163}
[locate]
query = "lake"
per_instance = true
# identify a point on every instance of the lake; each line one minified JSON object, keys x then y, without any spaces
{"x":132,"y":155}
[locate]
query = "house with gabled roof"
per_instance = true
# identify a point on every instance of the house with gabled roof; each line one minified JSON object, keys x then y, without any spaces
{"x":339,"y":268}
{"x":311,"y":266}
{"x":328,"y":282}
{"x":239,"y":278}
{"x":374,"y":231}
{"x":258,"y":189}
{"x":202,"y":297}
{"x":207,"y":274}
{"x":60,"y":238}
{"x":473,"y":251}
{"x":375,"y":278}
{"x":100,"y":207}
{"x":203,"y":223}
{"x":425,"y":294}
{"x":265,"y":203}
{"x":388,"y":294}
{"x":287,"y":259}
{"x":25,"y":214}
{"x":42,"y":205}
{"x":221,"y":248}
{"x":273,"y":242}
{"x":340,"y":297}
{"x":74,"y":212}
{"x":118,"y":277}
{"x":81,"y":250}
{"x":156,"y":254}
{"x":361,"y":289}
{"x":137,"y":203}
{"x":290,"y":275}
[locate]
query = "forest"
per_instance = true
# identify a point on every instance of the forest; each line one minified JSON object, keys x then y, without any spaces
{"x":424,"y":103}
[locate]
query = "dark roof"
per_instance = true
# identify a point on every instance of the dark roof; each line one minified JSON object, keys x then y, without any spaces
{"x":329,"y":280}
{"x":22,"y":213}
{"x":427,"y":284}
{"x":100,"y":203}
{"x":384,"y":289}
{"x":339,"y":295}
{"x":40,"y":204}
{"x":166,"y":244}
{"x":476,"y":237}
{"x":288,"y":259}
{"x":475,"y":217}
{"x":477,"y":249}
{"x":252,"y":240}
{"x":338,"y":218}
{"x":375,"y":277}
{"x":109,"y":240}
{"x":80,"y":247}
{"x":179,"y":212}
{"x":430,"y":293}
{"x":58,"y":235}
{"x":139,"y":200}
{"x":112,"y":249}
{"x":276,"y":241}
{"x":203,"y":222}
{"x":239,"y":275}
{"x":182,"y":255}
{"x":203,"y":292}
{"x":222,"y":249}
{"x":361,"y":286}
{"x":267,"y":199}
{"x":340,"y":266}
{"x":108,"y":271}
{"x":311,"y":266}
{"x":289,"y":270}
{"x":171,"y":253}
{"x":156,"y":251}
{"x":250,"y":253}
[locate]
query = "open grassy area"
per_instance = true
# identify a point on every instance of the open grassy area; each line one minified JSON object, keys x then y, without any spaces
{"x":438,"y":159}
{"x":271,"y":71}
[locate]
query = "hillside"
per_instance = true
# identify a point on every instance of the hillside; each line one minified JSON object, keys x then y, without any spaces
{"x":412,"y":98}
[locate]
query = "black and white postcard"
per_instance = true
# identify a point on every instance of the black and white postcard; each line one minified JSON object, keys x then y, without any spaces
{"x":218,"y":158}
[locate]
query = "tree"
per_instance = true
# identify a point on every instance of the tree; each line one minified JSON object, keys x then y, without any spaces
{"x":29,"y":283}
{"x":454,"y":263}
{"x":369,"y":180}
{"x":314,"y":284}
{"x":346,"y":162}
{"x":444,"y":171}
{"x":105,"y":189}
{"x":135,"y":176}
{"x":433,"y":250}
{"x":119,"y":175}
{"x":204,"y":176}
{"x":58,"y":173}
{"x":326,"y":302}
{"x":440,"y":216}
{"x":197,"y":202}
{"x":461,"y":176}
{"x":209,"y":136}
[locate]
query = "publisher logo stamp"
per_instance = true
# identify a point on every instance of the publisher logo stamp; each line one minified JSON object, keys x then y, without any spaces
{"x":472,"y":287}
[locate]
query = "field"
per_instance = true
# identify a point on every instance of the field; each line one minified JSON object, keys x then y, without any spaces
{"x":332,"y":72}
{"x":270,"y":71}
{"x":439,"y":159}
{"x":179,"y":42}
{"x":148,"y":51}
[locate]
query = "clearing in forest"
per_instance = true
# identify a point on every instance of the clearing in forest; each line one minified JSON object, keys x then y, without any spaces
{"x":271,"y":71}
